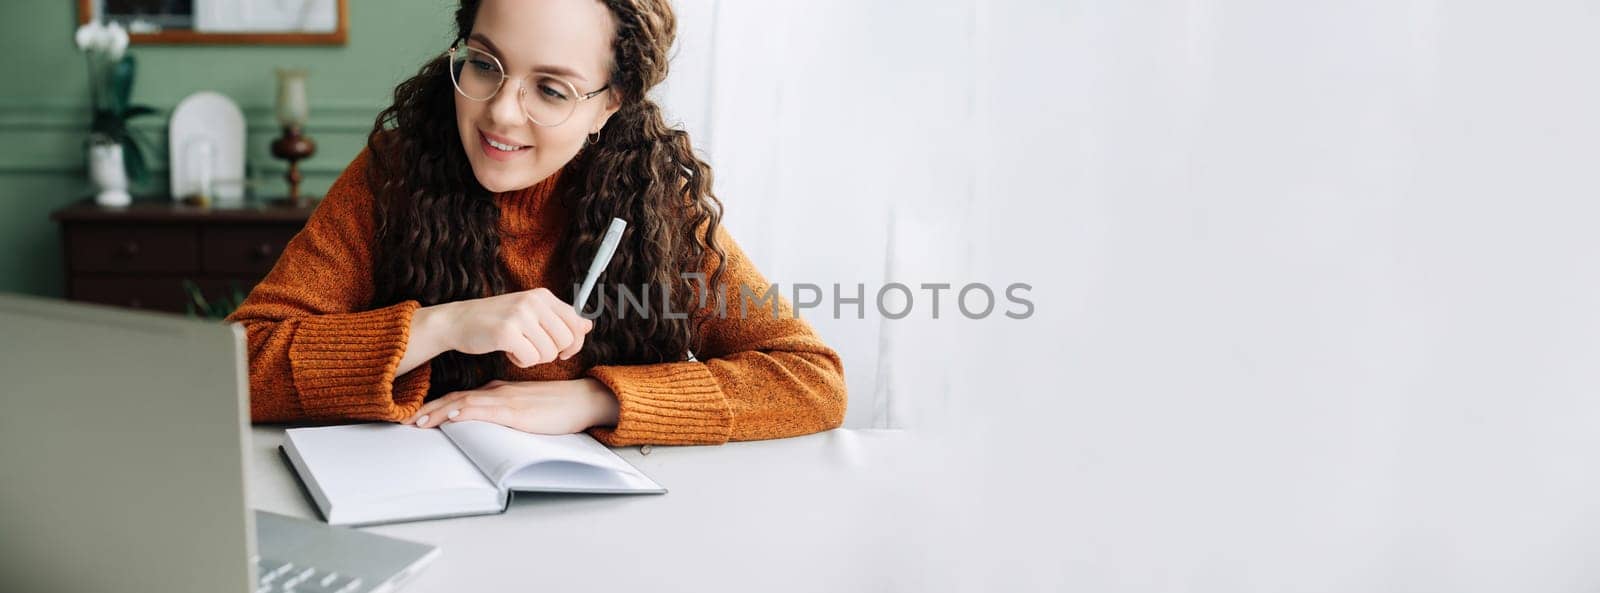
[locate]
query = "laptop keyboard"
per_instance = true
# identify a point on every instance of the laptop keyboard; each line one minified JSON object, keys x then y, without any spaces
{"x":289,"y":577}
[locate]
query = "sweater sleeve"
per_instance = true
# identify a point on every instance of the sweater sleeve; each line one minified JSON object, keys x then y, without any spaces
{"x":315,"y":353}
{"x":758,"y":375}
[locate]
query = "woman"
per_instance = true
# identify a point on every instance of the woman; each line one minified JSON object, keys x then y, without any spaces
{"x":433,"y":283}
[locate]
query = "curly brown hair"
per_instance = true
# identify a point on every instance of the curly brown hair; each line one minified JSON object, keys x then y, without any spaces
{"x":437,"y":240}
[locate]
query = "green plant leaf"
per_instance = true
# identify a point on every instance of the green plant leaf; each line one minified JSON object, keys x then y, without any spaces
{"x":107,"y":124}
{"x":138,"y":110}
{"x":196,"y":298}
{"x":141,"y":138}
{"x":122,"y":84}
{"x":231,"y":302}
{"x":133,"y":160}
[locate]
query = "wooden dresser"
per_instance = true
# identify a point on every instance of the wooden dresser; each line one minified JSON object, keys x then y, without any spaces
{"x":138,"y":256}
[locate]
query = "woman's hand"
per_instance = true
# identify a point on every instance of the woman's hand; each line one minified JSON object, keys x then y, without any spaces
{"x":531,"y":327}
{"x":544,"y":407}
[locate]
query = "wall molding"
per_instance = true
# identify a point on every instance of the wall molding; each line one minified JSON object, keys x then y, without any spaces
{"x":63,"y":126}
{"x":54,"y":116}
{"x":159,"y":170}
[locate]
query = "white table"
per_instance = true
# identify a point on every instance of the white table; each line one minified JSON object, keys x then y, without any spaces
{"x":844,"y":510}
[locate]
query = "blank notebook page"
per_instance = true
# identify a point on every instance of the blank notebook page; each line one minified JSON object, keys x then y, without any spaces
{"x":370,"y":462}
{"x":501,"y":451}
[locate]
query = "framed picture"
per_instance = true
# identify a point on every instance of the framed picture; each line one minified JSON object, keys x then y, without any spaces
{"x":283,"y":22}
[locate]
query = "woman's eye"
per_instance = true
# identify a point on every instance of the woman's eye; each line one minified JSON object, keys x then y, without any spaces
{"x":483,"y":66}
{"x":552,"y":92}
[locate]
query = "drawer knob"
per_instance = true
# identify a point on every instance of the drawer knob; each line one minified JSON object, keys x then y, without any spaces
{"x":264,"y":250}
{"x":130,"y":249}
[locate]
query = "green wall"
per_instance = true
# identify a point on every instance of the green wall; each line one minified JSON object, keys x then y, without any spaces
{"x":44,"y":109}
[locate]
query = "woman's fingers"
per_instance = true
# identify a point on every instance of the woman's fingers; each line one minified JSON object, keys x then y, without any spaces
{"x":488,"y":413}
{"x":559,"y":333}
{"x":536,"y":335}
{"x":577,"y":325}
{"x":519,"y":349}
{"x":444,"y":414}
{"x":531,"y":327}
{"x":470,"y":406}
{"x":572,"y":349}
{"x":452,"y":408}
{"x":438,"y":410}
{"x":429,"y":410}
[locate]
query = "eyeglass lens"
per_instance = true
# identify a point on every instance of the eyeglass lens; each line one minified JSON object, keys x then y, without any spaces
{"x":546,"y":99}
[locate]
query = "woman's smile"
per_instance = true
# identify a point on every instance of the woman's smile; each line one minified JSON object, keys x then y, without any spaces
{"x":500,"y":148}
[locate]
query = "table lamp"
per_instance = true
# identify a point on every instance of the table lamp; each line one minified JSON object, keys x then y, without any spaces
{"x":293,"y":112}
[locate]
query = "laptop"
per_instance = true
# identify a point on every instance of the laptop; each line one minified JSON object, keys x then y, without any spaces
{"x":123,"y":440}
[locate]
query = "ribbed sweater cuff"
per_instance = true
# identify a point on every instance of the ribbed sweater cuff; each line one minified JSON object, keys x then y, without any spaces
{"x":344,"y":364}
{"x":675,"y":403}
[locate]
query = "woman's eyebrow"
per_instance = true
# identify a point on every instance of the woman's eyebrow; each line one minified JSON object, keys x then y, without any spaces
{"x":561,"y":70}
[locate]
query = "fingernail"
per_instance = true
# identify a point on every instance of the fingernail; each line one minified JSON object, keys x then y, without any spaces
{"x":422,"y":420}
{"x":453,"y":413}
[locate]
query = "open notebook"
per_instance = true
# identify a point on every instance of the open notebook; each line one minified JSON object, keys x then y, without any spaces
{"x":361,"y":474}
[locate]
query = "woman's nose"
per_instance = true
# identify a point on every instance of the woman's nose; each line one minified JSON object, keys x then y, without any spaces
{"x":505,"y":108}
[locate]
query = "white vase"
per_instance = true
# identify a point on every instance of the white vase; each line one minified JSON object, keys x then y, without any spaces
{"x":105,"y":168}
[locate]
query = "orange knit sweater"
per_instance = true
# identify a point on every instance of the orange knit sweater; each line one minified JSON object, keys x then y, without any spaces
{"x":318,"y":352}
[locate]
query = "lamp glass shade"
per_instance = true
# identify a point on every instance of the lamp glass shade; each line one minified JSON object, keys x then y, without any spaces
{"x":292,"y":108}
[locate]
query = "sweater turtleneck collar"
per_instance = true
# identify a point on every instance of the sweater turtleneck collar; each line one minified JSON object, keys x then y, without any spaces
{"x":526,"y":210}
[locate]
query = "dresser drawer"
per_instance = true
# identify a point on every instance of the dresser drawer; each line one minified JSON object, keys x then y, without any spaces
{"x":140,"y":255}
{"x":133,"y":248}
{"x":244,"y":249}
{"x":155,"y":293}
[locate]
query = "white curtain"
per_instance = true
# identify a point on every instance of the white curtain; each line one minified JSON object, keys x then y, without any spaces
{"x":839,"y":140}
{"x":1315,"y":281}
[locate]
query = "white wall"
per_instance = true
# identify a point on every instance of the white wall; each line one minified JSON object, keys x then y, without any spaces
{"x":1315,"y":281}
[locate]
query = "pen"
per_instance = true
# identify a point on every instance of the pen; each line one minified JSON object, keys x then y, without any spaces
{"x":602,"y":258}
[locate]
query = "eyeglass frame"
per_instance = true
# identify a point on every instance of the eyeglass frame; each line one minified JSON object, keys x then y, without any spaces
{"x":522,"y":87}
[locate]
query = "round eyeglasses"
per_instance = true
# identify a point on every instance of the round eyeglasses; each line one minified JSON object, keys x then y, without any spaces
{"x":478,"y":75}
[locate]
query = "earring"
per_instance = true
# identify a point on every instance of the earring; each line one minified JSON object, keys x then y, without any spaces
{"x":591,"y":138}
